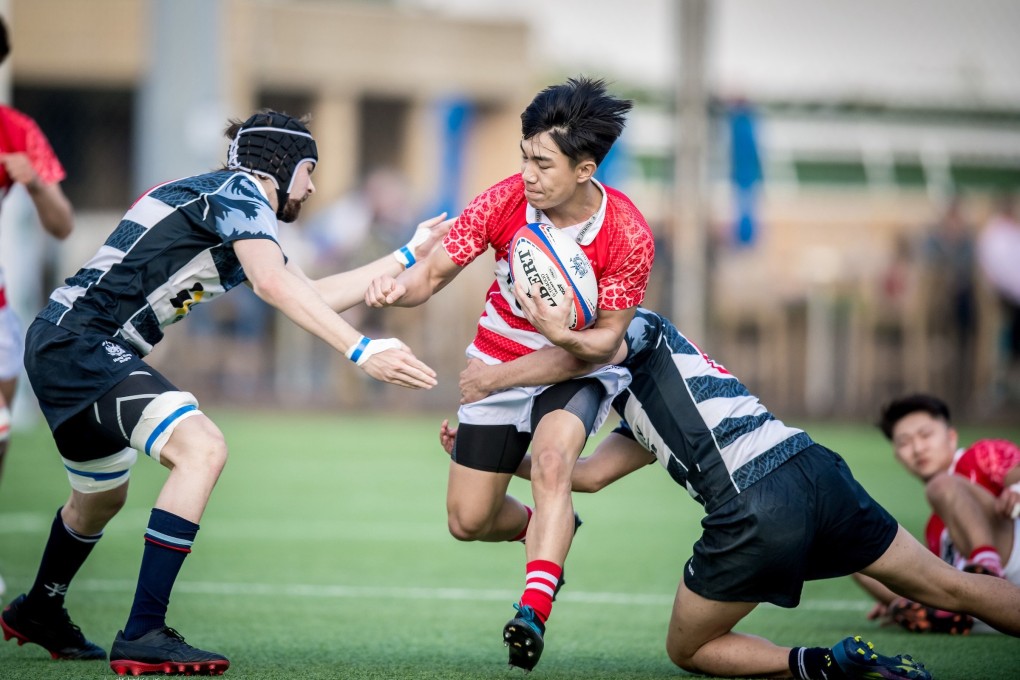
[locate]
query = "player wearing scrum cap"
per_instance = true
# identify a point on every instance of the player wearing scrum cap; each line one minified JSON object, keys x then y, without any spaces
{"x":182,"y":243}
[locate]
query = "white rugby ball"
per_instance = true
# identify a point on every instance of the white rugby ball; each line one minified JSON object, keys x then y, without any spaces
{"x":542,"y":254}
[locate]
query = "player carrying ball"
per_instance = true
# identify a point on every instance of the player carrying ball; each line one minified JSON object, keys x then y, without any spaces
{"x":567,"y":130}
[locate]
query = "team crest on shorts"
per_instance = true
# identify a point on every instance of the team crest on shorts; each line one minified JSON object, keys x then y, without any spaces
{"x":116,"y":352}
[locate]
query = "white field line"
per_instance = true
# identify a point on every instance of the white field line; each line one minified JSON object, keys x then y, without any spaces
{"x":394,"y":593}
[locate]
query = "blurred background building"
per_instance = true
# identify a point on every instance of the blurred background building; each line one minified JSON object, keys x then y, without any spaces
{"x":818,"y":175}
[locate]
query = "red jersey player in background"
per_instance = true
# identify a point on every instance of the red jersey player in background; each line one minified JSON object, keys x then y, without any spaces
{"x":567,"y":130}
{"x":974,"y":494}
{"x":27,"y":159}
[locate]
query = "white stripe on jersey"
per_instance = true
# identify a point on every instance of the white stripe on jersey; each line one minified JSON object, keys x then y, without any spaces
{"x":492,"y":321}
{"x":749,"y":446}
{"x":148,"y":211}
{"x":104,"y":259}
{"x":715,"y":410}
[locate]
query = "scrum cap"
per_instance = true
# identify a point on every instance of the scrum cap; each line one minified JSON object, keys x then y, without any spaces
{"x":274,"y":145}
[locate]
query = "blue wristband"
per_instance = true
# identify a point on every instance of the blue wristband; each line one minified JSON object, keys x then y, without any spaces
{"x":356,"y":352}
{"x":405,"y":256}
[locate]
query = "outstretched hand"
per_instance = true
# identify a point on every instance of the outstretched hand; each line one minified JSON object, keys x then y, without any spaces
{"x":428,"y":234}
{"x":398,"y":366}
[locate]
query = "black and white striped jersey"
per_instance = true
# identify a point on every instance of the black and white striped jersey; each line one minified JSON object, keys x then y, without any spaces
{"x":172,"y":249}
{"x":713,"y":436}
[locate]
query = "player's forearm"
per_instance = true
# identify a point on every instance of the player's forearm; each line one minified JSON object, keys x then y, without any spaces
{"x":347,"y":289}
{"x":594,"y":345}
{"x":541,"y":367}
{"x":53,"y":207}
{"x":425,"y":278}
{"x":300,"y":303}
{"x":598,"y":344}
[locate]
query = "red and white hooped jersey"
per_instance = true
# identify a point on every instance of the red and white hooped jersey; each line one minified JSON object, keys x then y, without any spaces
{"x":617,"y":240}
{"x":984,"y":463}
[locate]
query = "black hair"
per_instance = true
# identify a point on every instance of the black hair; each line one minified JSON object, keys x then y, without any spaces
{"x":5,"y":42}
{"x":898,"y":409}
{"x":580,"y":116}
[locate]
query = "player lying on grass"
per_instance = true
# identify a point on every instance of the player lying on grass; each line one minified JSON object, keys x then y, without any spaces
{"x":566,"y":130}
{"x":974,"y":495}
{"x":781,"y":510}
{"x":182,"y":243}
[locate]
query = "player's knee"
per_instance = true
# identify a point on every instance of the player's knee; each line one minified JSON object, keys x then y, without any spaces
{"x":942,"y":487}
{"x":467,"y":526}
{"x":89,"y":513}
{"x":680,"y":656}
{"x":198,"y":444}
{"x":550,"y":467}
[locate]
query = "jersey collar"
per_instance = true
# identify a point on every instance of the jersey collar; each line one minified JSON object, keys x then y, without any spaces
{"x":584,"y":232}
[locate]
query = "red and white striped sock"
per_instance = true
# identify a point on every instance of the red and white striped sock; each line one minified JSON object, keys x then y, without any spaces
{"x":540,"y":584}
{"x":524,"y":532}
{"x":988,"y":557}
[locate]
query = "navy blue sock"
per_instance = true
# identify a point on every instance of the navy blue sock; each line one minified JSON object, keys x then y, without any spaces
{"x":65,"y":552}
{"x":168,"y":541}
{"x":814,"y":663}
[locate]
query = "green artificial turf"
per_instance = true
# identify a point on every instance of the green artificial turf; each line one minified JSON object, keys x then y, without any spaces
{"x":324,"y":554}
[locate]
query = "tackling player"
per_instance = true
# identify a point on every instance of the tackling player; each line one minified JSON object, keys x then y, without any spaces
{"x":781,"y":510}
{"x":27,"y":159}
{"x":182,"y":243}
{"x":566,"y":131}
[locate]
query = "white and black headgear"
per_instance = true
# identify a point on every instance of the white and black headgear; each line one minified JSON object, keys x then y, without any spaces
{"x":274,"y":145}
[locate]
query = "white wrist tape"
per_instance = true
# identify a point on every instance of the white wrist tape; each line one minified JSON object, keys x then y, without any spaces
{"x":405,"y":255}
{"x":363,"y":349}
{"x":1015,"y":511}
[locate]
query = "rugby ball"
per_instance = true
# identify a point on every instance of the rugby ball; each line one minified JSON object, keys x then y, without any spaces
{"x":542,"y":254}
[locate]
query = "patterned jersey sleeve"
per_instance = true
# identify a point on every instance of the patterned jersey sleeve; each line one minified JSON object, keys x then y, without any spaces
{"x":995,"y":458}
{"x":632,"y":252}
{"x":41,"y":155}
{"x":471,"y":234}
{"x":20,"y":134}
{"x":241,"y":211}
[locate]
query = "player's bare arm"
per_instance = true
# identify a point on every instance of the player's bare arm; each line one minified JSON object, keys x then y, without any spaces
{"x":415,"y":285}
{"x":346,"y":289}
{"x":53,"y":207}
{"x":596,"y":345}
{"x":279,"y":286}
{"x":542,"y":367}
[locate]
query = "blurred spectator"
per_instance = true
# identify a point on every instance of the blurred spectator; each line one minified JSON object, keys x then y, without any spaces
{"x":361,"y":226}
{"x":899,"y":279}
{"x":371,"y":219}
{"x":948,"y":256}
{"x":999,"y":256}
